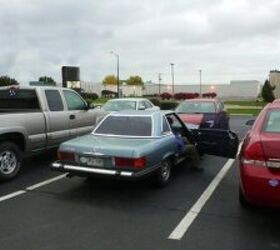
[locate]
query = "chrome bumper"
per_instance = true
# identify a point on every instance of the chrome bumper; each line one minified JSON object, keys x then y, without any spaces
{"x":70,"y":168}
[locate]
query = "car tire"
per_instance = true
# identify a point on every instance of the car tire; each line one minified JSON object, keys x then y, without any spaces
{"x":163,"y":174}
{"x":11,"y":159}
{"x":242,"y":199}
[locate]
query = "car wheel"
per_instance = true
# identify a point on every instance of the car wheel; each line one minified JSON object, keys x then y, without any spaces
{"x":242,"y":199}
{"x":10,"y":160}
{"x":162,"y":174}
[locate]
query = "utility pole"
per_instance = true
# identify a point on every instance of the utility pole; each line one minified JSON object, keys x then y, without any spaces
{"x":159,"y":82}
{"x":118,"y":71}
{"x":200,"y":77}
{"x":172,"y":75}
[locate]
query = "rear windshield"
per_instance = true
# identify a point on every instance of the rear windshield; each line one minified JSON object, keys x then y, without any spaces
{"x":126,"y":126}
{"x":272,"y":123}
{"x":196,"y":107}
{"x":120,"y":105}
{"x":18,"y":99}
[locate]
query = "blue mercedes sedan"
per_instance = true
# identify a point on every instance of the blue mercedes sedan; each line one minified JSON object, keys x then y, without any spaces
{"x":132,"y":144}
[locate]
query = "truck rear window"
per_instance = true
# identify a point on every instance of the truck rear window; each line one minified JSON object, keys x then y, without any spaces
{"x":18,"y":100}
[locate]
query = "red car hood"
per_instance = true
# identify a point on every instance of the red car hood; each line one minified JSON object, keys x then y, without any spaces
{"x":192,"y":118}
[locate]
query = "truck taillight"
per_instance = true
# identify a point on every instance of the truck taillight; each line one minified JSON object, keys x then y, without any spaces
{"x":65,"y":156}
{"x":137,"y":163}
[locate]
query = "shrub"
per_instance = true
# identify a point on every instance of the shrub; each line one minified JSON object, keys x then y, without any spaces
{"x":185,"y":95}
{"x":166,"y":105}
{"x":209,"y":95}
{"x":166,"y":96}
{"x":92,"y":96}
{"x":108,"y":93}
{"x":155,"y":101}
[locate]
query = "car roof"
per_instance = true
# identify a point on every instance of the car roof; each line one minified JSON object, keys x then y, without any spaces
{"x":141,"y":112}
{"x":202,"y":100}
{"x":130,"y":99}
{"x":27,"y":87}
{"x":274,"y":104}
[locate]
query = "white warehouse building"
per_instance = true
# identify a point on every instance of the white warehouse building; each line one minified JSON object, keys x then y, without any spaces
{"x":243,"y":89}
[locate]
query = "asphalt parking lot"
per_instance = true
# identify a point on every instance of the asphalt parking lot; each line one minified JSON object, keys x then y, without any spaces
{"x":77,"y":213}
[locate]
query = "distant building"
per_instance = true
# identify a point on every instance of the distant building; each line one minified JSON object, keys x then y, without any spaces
{"x":274,"y":79}
{"x":243,"y":89}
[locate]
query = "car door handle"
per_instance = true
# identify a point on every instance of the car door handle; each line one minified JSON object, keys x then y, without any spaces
{"x":72,"y":117}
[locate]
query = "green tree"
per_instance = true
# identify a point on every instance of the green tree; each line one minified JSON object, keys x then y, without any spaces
{"x":7,"y":81}
{"x":267,"y":92}
{"x":110,"y":80}
{"x":47,"y":79}
{"x":135,"y":80}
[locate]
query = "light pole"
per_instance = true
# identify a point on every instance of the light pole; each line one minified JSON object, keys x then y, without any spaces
{"x":118,"y":71}
{"x":200,"y":76}
{"x":159,"y":82}
{"x":172,"y":75}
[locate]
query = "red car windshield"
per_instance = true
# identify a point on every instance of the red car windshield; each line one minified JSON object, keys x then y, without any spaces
{"x":196,"y":107}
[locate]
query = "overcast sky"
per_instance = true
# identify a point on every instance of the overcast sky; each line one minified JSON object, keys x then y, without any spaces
{"x":228,"y":40}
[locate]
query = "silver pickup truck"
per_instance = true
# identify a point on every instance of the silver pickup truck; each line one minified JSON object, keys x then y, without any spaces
{"x":34,"y":119}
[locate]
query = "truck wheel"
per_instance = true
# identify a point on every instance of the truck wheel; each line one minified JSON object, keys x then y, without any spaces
{"x":10,"y":160}
{"x":162,"y":174}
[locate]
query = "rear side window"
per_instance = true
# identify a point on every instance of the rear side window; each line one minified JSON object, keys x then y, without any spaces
{"x":126,"y":126}
{"x":19,"y":99}
{"x":273,"y":122}
{"x":165,"y":126}
{"x":54,"y":100}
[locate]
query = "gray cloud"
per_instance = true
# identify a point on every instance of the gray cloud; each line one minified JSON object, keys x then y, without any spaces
{"x":231,"y":39}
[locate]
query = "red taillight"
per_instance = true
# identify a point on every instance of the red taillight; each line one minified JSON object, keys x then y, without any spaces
{"x":65,"y":156}
{"x":253,"y":154}
{"x":137,"y":163}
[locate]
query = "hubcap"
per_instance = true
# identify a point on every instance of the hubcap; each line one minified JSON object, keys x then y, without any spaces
{"x":165,"y":172}
{"x":8,"y":162}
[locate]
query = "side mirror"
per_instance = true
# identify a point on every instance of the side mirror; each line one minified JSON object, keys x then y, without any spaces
{"x":98,"y":106}
{"x":92,"y":106}
{"x":142,"y":107}
{"x":250,"y":122}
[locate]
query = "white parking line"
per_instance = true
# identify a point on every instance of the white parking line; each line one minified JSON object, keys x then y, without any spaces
{"x":40,"y":184}
{"x":46,"y":182}
{"x":189,"y":218}
{"x":12,"y":195}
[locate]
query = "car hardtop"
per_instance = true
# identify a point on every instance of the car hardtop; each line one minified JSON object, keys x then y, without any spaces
{"x":141,"y":112}
{"x":128,"y":99}
{"x":274,"y":104}
{"x":214,"y":100}
{"x":156,"y":117}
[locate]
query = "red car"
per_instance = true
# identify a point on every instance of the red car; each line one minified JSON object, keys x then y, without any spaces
{"x":259,"y":160}
{"x":203,"y":113}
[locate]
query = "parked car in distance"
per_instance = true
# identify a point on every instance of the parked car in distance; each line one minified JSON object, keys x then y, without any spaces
{"x":129,"y":104}
{"x":203,"y":113}
{"x":124,"y":104}
{"x":34,"y":119}
{"x":259,"y":160}
{"x":131,"y":144}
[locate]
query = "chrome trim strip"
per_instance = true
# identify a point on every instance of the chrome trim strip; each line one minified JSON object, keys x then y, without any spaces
{"x":57,"y":165}
{"x":90,"y":170}
{"x":126,"y":174}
